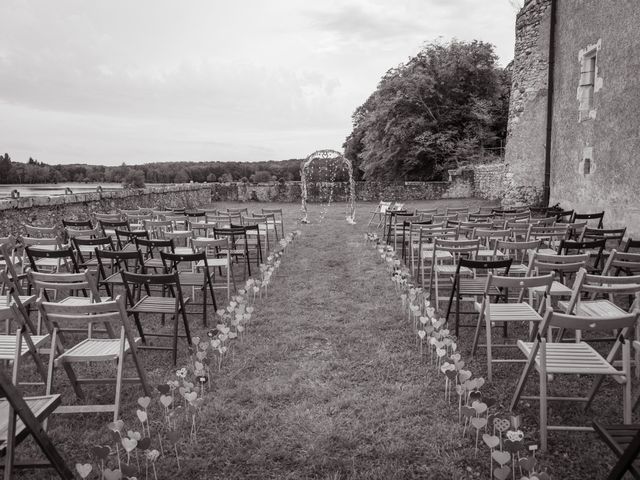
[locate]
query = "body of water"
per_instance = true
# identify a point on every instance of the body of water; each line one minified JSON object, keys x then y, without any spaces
{"x":49,"y":189}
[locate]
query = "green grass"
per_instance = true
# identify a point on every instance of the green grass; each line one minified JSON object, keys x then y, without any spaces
{"x":328,"y":383}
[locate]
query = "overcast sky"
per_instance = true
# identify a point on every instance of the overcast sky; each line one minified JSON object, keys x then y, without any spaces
{"x":112,"y":81}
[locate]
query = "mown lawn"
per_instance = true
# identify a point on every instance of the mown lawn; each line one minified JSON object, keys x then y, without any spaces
{"x":329,"y":384}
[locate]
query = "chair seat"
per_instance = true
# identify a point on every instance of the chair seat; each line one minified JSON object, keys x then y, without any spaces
{"x":94,"y":349}
{"x":594,"y":308}
{"x":183,"y":250}
{"x":475,"y":286}
{"x":617,"y":436}
{"x":506,"y":312}
{"x":188,"y":279}
{"x":214,"y":262}
{"x":578,"y":358}
{"x":24,"y":299}
{"x":74,"y":300}
{"x":543,"y":251}
{"x":153,"y":263}
{"x":41,"y":407}
{"x":156,"y":305}
{"x":452,"y":269}
{"x":490,"y":253}
{"x":8,"y":345}
{"x":557,"y":290}
{"x":440,"y":254}
{"x":518,"y":269}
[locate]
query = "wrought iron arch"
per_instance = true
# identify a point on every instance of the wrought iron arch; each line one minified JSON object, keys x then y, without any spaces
{"x":329,"y":155}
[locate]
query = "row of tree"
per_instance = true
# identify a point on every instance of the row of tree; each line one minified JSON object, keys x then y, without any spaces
{"x":172,"y":172}
{"x":445,"y":107}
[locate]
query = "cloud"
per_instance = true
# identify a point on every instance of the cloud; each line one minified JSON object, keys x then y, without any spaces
{"x":222,"y":80}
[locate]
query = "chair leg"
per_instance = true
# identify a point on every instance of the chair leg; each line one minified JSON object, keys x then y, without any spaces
{"x":543,"y":395}
{"x":487,"y":323}
{"x":476,"y":336}
{"x":119,"y":370}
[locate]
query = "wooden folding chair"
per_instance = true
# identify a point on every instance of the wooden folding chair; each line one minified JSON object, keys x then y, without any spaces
{"x":278,"y":220}
{"x":379,"y":211}
{"x":553,"y":358}
{"x":466,"y":288}
{"x":218,"y":256}
{"x":594,"y":218}
{"x":447,"y":266}
{"x":624,"y":441}
{"x":563,"y":267}
{"x":91,"y":349}
{"x":141,"y":301}
{"x":518,"y":311}
{"x":199,"y":275}
{"x":32,"y":412}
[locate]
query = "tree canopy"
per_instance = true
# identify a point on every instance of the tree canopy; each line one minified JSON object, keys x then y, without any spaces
{"x":445,"y":106}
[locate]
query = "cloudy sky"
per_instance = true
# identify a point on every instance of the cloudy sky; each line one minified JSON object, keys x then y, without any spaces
{"x":112,"y":81}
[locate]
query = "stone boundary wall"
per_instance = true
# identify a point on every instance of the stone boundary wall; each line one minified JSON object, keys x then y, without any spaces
{"x":482,"y":181}
{"x":49,"y":211}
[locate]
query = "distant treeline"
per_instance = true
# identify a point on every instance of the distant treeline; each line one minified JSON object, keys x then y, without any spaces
{"x":35,"y":171}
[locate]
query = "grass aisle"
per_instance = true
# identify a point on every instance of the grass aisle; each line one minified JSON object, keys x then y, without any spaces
{"x":327,"y":383}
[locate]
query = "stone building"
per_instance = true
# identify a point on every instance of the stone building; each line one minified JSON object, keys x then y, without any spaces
{"x":574,"y":123}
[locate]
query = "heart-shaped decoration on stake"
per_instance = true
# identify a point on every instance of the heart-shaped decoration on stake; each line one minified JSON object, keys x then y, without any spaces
{"x":501,"y":424}
{"x":142,"y":415}
{"x":527,"y":463}
{"x":478,"y":422}
{"x":101,"y":452}
{"x":173,"y":436}
{"x":129,"y":444}
{"x":190,"y":396}
{"x":166,"y":400}
{"x":116,"y":426}
{"x":128,"y":470}
{"x":479,"y":407}
{"x":501,"y":457}
{"x":451,"y":374}
{"x":144,"y":402}
{"x":163,"y":388}
{"x":109,"y":474}
{"x":502,"y":473}
{"x":468,"y":411}
{"x":422,"y":334}
{"x":492,"y":441}
{"x":84,"y":470}
{"x":475,"y":396}
{"x":144,"y":443}
{"x":464,"y":375}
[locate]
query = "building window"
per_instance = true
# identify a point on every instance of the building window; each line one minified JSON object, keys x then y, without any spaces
{"x":587,"y":85}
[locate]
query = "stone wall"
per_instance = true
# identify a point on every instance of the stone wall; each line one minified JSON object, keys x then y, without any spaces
{"x":526,"y":136}
{"x":595,"y":163}
{"x":48,"y":211}
{"x":483,"y":181}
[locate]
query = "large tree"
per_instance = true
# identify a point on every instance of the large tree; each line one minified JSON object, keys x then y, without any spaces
{"x":444,"y":106}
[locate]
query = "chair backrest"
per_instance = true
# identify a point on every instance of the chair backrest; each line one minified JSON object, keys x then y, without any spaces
{"x":541,"y":264}
{"x":125,"y":238}
{"x":134,"y":282}
{"x":82,"y":233}
{"x":545,"y":222}
{"x":108,"y":217}
{"x":67,"y":316}
{"x":622,"y":262}
{"x":151,"y":248}
{"x":67,"y":283}
{"x":518,"y":284}
{"x":78,"y":224}
{"x":576,"y":322}
{"x":632,"y":245}
{"x":172,"y":261}
{"x":211,"y":246}
{"x":157,"y":228}
{"x":613,"y":236}
{"x":203,"y":229}
{"x":562,"y":215}
{"x":64,"y":256}
{"x":489,"y":238}
{"x":40,"y":232}
{"x":457,"y":248}
{"x":9,"y":256}
{"x":594,"y":218}
{"x":568,"y":247}
{"x":488,"y":265}
{"x":517,"y":250}
{"x":82,"y":244}
{"x":109,"y":226}
{"x":594,"y":286}
{"x":119,"y":261}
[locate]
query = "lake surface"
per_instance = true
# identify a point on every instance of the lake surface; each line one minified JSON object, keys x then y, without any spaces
{"x":49,"y":189}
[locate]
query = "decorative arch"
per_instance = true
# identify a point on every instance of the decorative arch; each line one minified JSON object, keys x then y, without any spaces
{"x":329,"y":155}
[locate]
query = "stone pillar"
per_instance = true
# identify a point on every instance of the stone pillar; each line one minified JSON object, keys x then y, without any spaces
{"x":526,"y":134}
